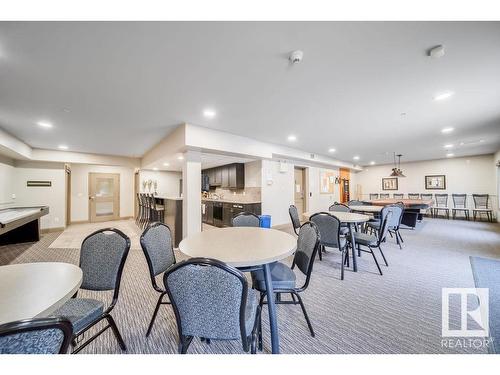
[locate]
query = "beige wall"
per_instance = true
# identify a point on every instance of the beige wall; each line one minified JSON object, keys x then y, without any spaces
{"x":320,"y":202}
{"x":6,"y":177}
{"x":168,"y":182}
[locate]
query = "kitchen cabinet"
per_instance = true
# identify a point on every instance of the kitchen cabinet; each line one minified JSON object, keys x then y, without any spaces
{"x":236,"y":176}
{"x":224,"y":177}
{"x":217,"y":176}
{"x":221,"y":214}
{"x":231,"y":176}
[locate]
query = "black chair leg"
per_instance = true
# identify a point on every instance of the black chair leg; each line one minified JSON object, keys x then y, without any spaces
{"x":342,"y":266}
{"x":118,"y":336}
{"x":305,"y":314}
{"x":154,"y":314}
{"x":400,"y":236}
{"x":376,"y":261}
{"x":184,"y":343}
{"x":383,"y":256}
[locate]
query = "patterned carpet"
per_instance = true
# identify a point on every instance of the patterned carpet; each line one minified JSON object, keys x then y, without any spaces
{"x":399,"y":312}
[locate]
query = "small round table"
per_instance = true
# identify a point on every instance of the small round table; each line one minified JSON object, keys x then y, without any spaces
{"x":351,"y":219}
{"x":370,"y":209}
{"x":248,"y":248}
{"x":32,"y":290}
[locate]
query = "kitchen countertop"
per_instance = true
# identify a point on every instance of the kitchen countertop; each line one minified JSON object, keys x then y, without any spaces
{"x":171,"y":198}
{"x":228,"y":201}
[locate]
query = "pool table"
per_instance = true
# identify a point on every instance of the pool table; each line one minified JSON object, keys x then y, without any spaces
{"x":21,"y":224}
{"x":413,"y":208}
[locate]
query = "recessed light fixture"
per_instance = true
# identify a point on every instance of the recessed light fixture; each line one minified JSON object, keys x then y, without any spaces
{"x":447,"y":130}
{"x":481,"y":140}
{"x":209,"y":113}
{"x":45,"y":124}
{"x":166,"y":164}
{"x":443,"y":96}
{"x":331,"y":150}
{"x":450,"y":154}
{"x":448,"y":146}
{"x":356,"y":157}
{"x":62,"y":147}
{"x":372,"y":163}
{"x":180,"y":157}
{"x":155,"y":169}
{"x":292,"y":138}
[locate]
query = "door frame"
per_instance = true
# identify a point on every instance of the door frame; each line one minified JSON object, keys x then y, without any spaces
{"x":67,"y":175}
{"x":305,"y":187}
{"x":116,"y":211}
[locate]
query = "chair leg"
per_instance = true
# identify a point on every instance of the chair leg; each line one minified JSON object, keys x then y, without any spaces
{"x":375,"y":259}
{"x":305,"y":314}
{"x":383,"y":256}
{"x":400,"y":236}
{"x":118,"y":336}
{"x":184,"y":343}
{"x":342,"y":266}
{"x":154,"y":314}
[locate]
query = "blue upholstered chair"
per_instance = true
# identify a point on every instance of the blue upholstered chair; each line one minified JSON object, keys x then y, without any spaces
{"x":211,"y":300}
{"x":283,"y":277}
{"x":397,"y":211}
{"x":102,"y":258}
{"x":373,"y":241}
{"x":156,"y":242}
{"x":294,"y":217}
{"x":36,"y":336}
{"x":246,"y":219}
{"x":329,"y":229}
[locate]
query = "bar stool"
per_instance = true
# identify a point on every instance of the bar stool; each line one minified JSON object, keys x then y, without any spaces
{"x":157,"y":211}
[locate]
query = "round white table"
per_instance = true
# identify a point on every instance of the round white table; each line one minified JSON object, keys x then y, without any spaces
{"x":248,"y":248}
{"x":351,"y":219}
{"x":32,"y":290}
{"x":371,"y":209}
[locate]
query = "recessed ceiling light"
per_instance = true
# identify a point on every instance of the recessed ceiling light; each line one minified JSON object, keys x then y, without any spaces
{"x":292,"y":138}
{"x":402,"y":114}
{"x":443,"y":96}
{"x":448,"y":146}
{"x":356,"y":157}
{"x":372,"y":163}
{"x":450,"y":154}
{"x":45,"y":124}
{"x":62,"y":147}
{"x":447,"y":130}
{"x":155,"y":169}
{"x":209,"y":113}
{"x":180,"y":157}
{"x":331,"y":150}
{"x":166,"y":164}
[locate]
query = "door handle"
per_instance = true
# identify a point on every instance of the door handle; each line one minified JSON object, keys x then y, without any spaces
{"x":91,"y":197}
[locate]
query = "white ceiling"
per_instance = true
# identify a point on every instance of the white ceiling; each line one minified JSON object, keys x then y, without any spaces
{"x":118,"y":87}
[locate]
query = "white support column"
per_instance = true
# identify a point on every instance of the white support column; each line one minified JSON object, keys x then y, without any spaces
{"x":191,"y":193}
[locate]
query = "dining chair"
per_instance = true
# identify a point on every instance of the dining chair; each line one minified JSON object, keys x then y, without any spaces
{"x":102,"y":258}
{"x":156,"y":243}
{"x":459,"y":205}
{"x":246,"y":219}
{"x":413,"y":196}
{"x":427,"y":196}
{"x":441,"y":205}
{"x":374,"y":241}
{"x":356,"y":202}
{"x":398,"y":196}
{"x":339,"y":207}
{"x":373,"y":196}
{"x":284,"y":278}
{"x":384,"y":196}
{"x":397,"y":211}
{"x":481,"y":206}
{"x":329,"y":229}
{"x":211,"y":300}
{"x":36,"y":336}
{"x":294,"y":217}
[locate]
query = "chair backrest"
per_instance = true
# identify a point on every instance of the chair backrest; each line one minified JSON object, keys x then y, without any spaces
{"x":246,"y":219}
{"x":480,"y":200}
{"x":36,"y":336}
{"x":398,"y":196}
{"x":156,"y":242}
{"x":384,"y":195}
{"x":294,"y":216}
{"x":339,"y":207}
{"x":329,"y":228}
{"x":208,"y":298}
{"x":102,"y":258}
{"x":459,"y":200}
{"x":413,"y":195}
{"x":396,"y":215}
{"x":426,"y":196}
{"x":441,"y":200}
{"x":384,"y":226}
{"x":373,"y":196}
{"x":355,"y":202}
{"x":307,"y":247}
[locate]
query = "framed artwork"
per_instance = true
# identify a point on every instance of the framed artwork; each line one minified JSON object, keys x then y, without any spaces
{"x":326,"y":181}
{"x":435,"y":182}
{"x":390,"y":183}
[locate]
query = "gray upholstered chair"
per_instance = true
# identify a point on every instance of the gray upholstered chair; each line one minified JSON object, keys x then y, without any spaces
{"x":356,"y":202}
{"x":294,"y":217}
{"x":211,"y":300}
{"x":102,"y":258}
{"x":384,"y":195}
{"x":459,"y":205}
{"x":413,"y":196}
{"x":481,"y":206}
{"x":339,"y":207}
{"x":156,"y":242}
{"x":246,"y":219}
{"x":36,"y":336}
{"x":394,"y":223}
{"x":283,"y":277}
{"x":370,"y":241}
{"x":329,"y":229}
{"x":441,"y":205}
{"x":398,"y":196}
{"x":373,"y":196}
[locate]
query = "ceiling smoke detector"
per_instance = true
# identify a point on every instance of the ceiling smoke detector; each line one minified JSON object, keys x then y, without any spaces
{"x":436,"y":52}
{"x":296,"y":57}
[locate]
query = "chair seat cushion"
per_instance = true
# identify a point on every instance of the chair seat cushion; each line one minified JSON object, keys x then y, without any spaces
{"x":482,"y":209}
{"x":373,"y":224}
{"x":81,"y":312}
{"x":344,"y":230}
{"x":283,"y":277}
{"x":365,"y":239}
{"x":251,"y":310}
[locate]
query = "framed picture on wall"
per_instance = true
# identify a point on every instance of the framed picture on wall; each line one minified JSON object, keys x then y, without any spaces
{"x":390,"y":183}
{"x":326,"y":182}
{"x":435,"y":182}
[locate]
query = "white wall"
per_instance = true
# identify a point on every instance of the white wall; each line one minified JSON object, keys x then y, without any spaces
{"x":6,"y":181}
{"x":80,"y":189}
{"x":470,"y":175}
{"x":253,"y":174}
{"x":320,"y":202}
{"x":278,"y":195}
{"x":496,"y":159}
{"x":168,"y":182}
{"x":53,"y":196}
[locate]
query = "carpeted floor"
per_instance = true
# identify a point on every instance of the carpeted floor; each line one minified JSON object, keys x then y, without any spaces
{"x":399,"y":312}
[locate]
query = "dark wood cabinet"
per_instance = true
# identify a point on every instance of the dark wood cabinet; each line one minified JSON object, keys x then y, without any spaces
{"x":224,"y":177}
{"x":236,"y":176}
{"x":217,"y":176}
{"x":231,"y":176}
